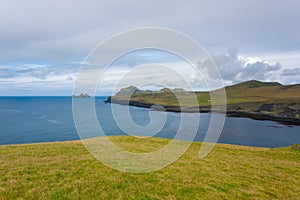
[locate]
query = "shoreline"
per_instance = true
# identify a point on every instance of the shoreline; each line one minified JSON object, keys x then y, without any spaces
{"x":229,"y":113}
{"x":77,"y":141}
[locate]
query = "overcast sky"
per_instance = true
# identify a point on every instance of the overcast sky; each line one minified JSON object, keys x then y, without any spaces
{"x":42,"y":43}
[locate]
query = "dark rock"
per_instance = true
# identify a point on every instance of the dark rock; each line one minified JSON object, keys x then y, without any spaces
{"x":81,"y":96}
{"x":269,"y":107}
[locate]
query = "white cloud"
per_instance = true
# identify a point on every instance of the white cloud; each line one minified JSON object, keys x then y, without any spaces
{"x":61,"y":78}
{"x":234,"y":69}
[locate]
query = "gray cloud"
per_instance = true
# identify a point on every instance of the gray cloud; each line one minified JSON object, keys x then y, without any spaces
{"x":259,"y":70}
{"x":6,"y":73}
{"x":70,"y":78}
{"x":229,"y":64}
{"x":291,"y":72}
{"x":234,"y":69}
{"x":60,"y":31}
{"x":38,"y":72}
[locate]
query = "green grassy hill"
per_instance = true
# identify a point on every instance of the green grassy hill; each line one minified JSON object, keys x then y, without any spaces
{"x":67,"y":171}
{"x":251,"y":96}
{"x":253,"y":84}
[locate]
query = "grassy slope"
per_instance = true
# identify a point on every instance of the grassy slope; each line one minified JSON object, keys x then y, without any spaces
{"x":247,"y":96}
{"x":67,"y":171}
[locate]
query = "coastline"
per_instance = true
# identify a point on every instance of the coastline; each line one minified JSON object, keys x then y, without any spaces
{"x":78,"y":141}
{"x":229,"y":113}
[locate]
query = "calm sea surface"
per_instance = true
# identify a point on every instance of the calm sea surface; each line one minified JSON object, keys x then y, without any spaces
{"x":46,"y":119}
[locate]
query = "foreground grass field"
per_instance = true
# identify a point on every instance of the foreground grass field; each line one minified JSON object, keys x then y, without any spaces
{"x":67,"y":171}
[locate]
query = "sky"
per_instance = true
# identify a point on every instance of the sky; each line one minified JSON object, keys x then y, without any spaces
{"x":43,"y":43}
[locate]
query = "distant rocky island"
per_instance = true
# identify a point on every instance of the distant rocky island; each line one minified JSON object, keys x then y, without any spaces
{"x":251,"y":99}
{"x":82,"y":95}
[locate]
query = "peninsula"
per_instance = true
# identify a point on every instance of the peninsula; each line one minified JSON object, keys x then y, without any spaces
{"x":251,"y":99}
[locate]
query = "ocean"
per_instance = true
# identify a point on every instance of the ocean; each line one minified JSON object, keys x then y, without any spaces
{"x":48,"y":119}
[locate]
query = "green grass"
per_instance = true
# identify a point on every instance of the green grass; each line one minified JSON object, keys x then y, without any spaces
{"x":67,"y":171}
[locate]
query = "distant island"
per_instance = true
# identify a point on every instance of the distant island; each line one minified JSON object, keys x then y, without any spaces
{"x":81,"y":96}
{"x":251,"y":99}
